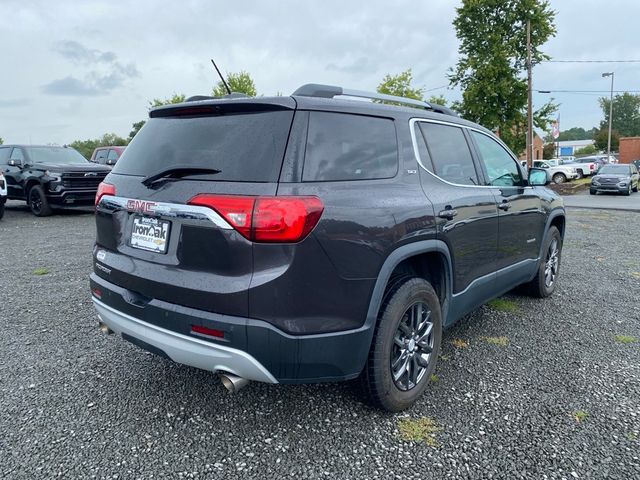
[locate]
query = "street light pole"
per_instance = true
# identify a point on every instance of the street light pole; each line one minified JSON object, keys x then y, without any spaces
{"x":609,"y":74}
{"x":529,"y":101}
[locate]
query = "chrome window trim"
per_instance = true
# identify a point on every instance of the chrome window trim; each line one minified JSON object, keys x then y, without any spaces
{"x":174,"y":210}
{"x":414,"y":141}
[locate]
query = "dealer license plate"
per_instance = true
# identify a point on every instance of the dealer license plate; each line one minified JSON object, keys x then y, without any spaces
{"x":150,"y":234}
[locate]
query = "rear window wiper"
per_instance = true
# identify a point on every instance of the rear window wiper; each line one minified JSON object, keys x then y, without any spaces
{"x":178,"y":172}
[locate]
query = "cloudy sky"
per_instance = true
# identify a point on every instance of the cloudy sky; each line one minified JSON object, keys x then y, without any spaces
{"x":75,"y":70}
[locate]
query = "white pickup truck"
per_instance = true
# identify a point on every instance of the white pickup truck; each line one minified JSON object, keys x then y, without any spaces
{"x":557,"y":173}
{"x":583,"y":168}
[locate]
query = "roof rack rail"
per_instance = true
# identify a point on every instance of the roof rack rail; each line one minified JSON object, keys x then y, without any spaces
{"x":331,"y":91}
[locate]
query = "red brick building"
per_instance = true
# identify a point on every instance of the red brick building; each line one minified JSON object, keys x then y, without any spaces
{"x":538,"y":145}
{"x":629,"y":149}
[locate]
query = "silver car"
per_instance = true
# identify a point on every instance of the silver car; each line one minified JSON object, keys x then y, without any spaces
{"x":618,"y":178}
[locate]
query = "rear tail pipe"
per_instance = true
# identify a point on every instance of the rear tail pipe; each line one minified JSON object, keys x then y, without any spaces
{"x":104,"y":329}
{"x":232,"y":383}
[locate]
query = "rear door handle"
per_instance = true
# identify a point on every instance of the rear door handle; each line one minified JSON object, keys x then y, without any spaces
{"x":448,"y":213}
{"x":504,"y":206}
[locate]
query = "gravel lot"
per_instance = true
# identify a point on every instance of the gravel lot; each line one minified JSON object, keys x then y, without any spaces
{"x":560,"y":400}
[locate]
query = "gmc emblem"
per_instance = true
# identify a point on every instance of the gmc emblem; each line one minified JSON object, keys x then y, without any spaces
{"x":142,"y":206}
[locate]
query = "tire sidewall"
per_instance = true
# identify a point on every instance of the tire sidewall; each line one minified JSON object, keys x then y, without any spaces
{"x":561,"y":177}
{"x":412,"y":291}
{"x":551,"y":234}
{"x":44,"y":208}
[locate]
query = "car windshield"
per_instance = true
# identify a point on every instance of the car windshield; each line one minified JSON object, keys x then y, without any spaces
{"x":615,"y":169}
{"x":55,"y":155}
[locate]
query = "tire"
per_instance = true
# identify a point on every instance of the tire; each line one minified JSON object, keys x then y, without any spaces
{"x":580,"y":174}
{"x":559,"y":178}
{"x":635,"y":189}
{"x":396,"y":340}
{"x":38,"y":202}
{"x":1,"y":209}
{"x":540,"y":287}
{"x":592,"y":191}
{"x":628,"y":192}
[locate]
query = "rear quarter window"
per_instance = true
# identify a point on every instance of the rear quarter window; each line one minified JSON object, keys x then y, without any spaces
{"x":349,"y":147}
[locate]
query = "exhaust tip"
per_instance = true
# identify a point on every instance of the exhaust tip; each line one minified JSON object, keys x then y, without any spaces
{"x":104,"y":329}
{"x":232,"y":383}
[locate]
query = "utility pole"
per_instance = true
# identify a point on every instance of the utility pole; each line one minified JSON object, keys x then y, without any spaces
{"x":529,"y":101}
{"x":609,"y":74}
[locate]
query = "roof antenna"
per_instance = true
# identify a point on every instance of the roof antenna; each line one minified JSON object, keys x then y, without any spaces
{"x":221,"y":77}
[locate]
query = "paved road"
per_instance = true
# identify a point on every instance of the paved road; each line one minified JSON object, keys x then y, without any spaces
{"x":607,"y":201}
{"x":557,"y":397}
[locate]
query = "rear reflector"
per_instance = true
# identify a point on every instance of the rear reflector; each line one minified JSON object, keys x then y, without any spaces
{"x":207,"y":331}
{"x":104,"y":189}
{"x":268,"y":219}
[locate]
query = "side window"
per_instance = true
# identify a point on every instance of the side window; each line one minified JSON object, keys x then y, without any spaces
{"x":450,"y":153}
{"x":113,"y":155}
{"x":349,"y":147}
{"x":4,"y":155}
{"x":101,"y":155}
{"x":502,"y":170}
{"x":421,"y":144}
{"x":17,"y":154}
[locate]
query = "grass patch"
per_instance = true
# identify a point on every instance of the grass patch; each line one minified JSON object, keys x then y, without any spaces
{"x":444,"y":358}
{"x":499,"y":341}
{"x":503,"y":305}
{"x":435,"y":378}
{"x":631,"y":436}
{"x":580,"y":415}
{"x":459,"y":343}
{"x":41,"y":271}
{"x":635,"y":275}
{"x":626,"y":339}
{"x":423,"y":429}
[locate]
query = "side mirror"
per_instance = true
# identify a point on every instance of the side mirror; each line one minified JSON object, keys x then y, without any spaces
{"x":15,"y":163}
{"x":110,"y":162}
{"x":538,"y":177}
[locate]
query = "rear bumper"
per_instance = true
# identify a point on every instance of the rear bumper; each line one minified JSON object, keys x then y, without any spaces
{"x":251,"y":348}
{"x":182,"y":349}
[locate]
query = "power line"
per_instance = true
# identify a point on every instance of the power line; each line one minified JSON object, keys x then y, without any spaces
{"x":591,"y":61}
{"x":544,"y":90}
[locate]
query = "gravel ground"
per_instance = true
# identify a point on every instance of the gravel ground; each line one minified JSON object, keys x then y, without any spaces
{"x":560,"y":400}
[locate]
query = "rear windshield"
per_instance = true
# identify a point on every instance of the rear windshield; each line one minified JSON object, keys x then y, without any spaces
{"x":245,"y":147}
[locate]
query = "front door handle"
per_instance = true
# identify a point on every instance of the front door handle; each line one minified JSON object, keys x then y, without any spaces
{"x":504,"y":206}
{"x":448,"y":213}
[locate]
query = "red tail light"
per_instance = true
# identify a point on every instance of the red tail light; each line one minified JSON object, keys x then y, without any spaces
{"x":266,"y":219}
{"x":207,"y":331}
{"x":104,"y":189}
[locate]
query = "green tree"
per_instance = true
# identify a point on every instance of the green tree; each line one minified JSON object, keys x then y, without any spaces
{"x":492,"y":64}
{"x":602,"y":136}
{"x":400,"y":86}
{"x":586,"y":150}
{"x":548,"y":151}
{"x":86,"y":147}
{"x":135,"y":128}
{"x":626,"y":114}
{"x":577,"y":133}
{"x":438,"y":99}
{"x":175,"y":98}
{"x":1,"y":141}
{"x":240,"y":82}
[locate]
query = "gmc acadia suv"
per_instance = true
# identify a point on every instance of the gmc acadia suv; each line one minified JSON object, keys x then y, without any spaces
{"x":48,"y":177}
{"x":315,"y":239}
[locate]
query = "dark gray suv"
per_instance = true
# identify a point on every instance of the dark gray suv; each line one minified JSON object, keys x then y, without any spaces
{"x":313,"y":238}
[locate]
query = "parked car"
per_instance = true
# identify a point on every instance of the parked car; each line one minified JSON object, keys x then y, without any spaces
{"x":584,"y":168}
{"x":107,"y":155}
{"x":326,"y":239}
{"x":3,"y":194}
{"x":599,"y":160}
{"x":636,"y":163}
{"x":557,"y":173}
{"x":48,"y":177}
{"x":619,"y":178}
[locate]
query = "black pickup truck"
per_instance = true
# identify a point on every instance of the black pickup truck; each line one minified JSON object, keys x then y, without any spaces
{"x":48,"y":177}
